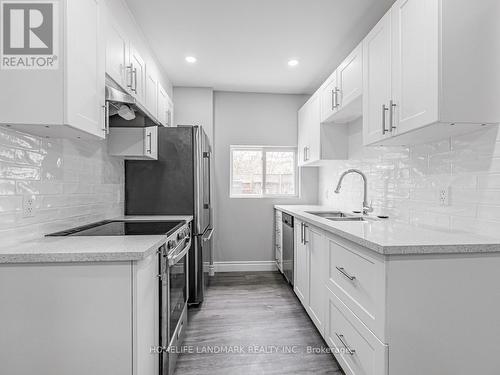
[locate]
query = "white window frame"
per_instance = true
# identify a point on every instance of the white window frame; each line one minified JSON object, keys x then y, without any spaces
{"x":263,"y":149}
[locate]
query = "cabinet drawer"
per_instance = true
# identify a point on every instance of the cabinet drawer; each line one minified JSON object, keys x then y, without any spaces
{"x":358,"y":279}
{"x":358,"y":351}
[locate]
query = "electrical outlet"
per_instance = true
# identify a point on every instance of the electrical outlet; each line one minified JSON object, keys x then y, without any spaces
{"x":29,"y":205}
{"x":444,"y":196}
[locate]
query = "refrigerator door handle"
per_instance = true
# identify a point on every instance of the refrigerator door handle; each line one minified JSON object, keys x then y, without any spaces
{"x":207,"y":155}
{"x":207,"y":236}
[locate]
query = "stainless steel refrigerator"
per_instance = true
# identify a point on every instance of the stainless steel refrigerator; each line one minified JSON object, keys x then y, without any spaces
{"x":178,"y":183}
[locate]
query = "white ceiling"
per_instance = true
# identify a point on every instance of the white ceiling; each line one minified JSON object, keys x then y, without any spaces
{"x":244,"y":45}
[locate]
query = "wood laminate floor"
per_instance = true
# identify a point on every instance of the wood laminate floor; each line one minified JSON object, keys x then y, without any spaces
{"x":259,"y":323}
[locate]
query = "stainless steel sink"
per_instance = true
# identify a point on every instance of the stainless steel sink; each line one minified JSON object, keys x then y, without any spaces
{"x":328,"y":215}
{"x":339,"y":216}
{"x":350,"y":218}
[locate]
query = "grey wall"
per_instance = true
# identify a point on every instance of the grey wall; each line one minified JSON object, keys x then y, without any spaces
{"x":194,"y":106}
{"x":245,"y":226}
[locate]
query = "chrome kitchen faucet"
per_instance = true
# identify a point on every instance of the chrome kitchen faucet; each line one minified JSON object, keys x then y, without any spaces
{"x":366,"y":208}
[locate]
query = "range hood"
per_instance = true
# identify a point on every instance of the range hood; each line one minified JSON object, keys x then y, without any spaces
{"x":116,"y":97}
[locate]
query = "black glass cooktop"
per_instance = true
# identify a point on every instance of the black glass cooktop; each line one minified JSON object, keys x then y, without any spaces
{"x":122,"y":228}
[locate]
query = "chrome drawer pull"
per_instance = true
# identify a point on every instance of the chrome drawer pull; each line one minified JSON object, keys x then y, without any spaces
{"x":348,"y":350}
{"x":343,"y":272}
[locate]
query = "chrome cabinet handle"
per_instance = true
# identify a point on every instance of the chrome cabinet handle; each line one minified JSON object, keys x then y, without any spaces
{"x":334,"y":100}
{"x":129,"y":75}
{"x":344,"y":344}
{"x":169,"y":114}
{"x":384,"y":109}
{"x":343,"y":272}
{"x":150,"y":149}
{"x":305,"y":237}
{"x":391,"y":115}
{"x":302,"y":233}
{"x":337,"y":104}
{"x":135,"y":80}
{"x":106,"y":118}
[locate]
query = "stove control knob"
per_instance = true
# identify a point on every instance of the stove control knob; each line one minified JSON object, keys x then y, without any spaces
{"x":171,"y":244}
{"x":180,"y":236}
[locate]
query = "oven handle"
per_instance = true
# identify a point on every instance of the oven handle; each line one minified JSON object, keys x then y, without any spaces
{"x":173,"y":260}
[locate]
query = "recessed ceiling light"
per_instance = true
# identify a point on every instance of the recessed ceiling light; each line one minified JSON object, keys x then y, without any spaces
{"x":293,"y":62}
{"x":191,"y":59}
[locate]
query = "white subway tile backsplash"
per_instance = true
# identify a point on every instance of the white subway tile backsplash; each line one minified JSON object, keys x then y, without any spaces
{"x":404,"y":182}
{"x":73,"y":183}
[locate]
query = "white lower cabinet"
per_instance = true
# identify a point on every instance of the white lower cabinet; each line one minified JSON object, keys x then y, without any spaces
{"x":358,"y":350}
{"x":278,"y":241}
{"x":80,"y":318}
{"x":357,"y":277}
{"x":300,"y":264}
{"x":421,"y":308}
{"x":309,"y":270}
{"x":134,"y":143}
{"x":327,"y":265}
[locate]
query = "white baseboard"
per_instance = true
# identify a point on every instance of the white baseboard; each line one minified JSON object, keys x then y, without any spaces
{"x":245,"y":266}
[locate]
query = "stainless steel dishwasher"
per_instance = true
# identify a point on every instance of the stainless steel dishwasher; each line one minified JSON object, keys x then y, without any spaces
{"x":287,"y":231}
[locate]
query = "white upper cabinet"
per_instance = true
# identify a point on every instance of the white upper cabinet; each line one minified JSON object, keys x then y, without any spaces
{"x":165,"y":107}
{"x":131,"y":65}
{"x":137,"y":68}
{"x":329,"y":98}
{"x":443,"y":76}
{"x":341,"y":95}
{"x":316,"y":141}
{"x":134,"y":143}
{"x":68,"y":100}
{"x":377,"y":81}
{"x":117,"y":55}
{"x":152,"y":93}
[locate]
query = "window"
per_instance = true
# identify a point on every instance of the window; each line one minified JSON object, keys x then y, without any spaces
{"x":262,"y":171}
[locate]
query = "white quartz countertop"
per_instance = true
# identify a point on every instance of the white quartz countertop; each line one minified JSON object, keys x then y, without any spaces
{"x":88,"y":248}
{"x":388,"y":237}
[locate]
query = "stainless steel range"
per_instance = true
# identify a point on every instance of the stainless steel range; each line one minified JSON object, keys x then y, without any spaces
{"x":173,"y":278}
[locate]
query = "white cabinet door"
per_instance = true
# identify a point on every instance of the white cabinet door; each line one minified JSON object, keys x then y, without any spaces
{"x":170,"y":112}
{"x":302,"y":135}
{"x":329,"y":98}
{"x":117,"y":55}
{"x":151,"y":99}
{"x":377,"y":81}
{"x":301,"y":264}
{"x":349,"y":88}
{"x":151,"y":142}
{"x":84,"y":68}
{"x":316,"y":247}
{"x":134,"y":143}
{"x":146,"y":322}
{"x":414,"y":64}
{"x":138,"y":75}
{"x":162,"y":105}
{"x":313,"y":128}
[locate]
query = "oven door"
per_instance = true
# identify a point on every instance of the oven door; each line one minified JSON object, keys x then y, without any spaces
{"x":177,"y":277}
{"x":174,"y":296}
